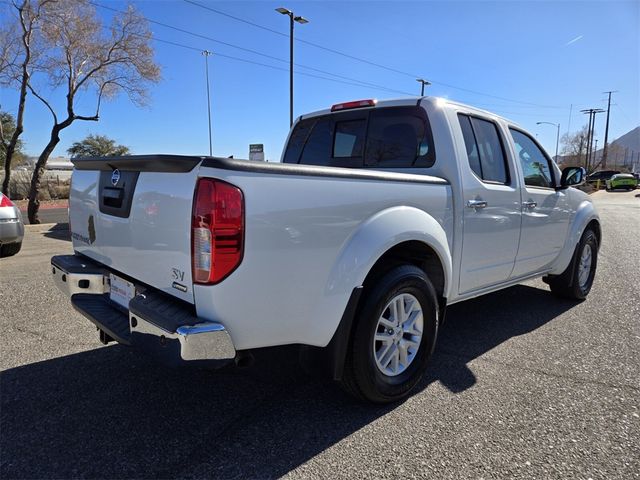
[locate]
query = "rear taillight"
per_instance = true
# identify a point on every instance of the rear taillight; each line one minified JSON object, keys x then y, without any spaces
{"x":4,"y":201}
{"x":217,"y":230}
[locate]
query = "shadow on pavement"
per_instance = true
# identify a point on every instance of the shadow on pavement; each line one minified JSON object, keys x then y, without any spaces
{"x":60,"y":231}
{"x":110,"y":412}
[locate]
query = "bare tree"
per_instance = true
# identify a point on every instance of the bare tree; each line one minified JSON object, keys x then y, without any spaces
{"x":84,"y":60}
{"x":574,"y":147}
{"x":16,"y":63}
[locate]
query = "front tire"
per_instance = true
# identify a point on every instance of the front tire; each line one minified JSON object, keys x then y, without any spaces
{"x":576,"y":281}
{"x":393,"y":338}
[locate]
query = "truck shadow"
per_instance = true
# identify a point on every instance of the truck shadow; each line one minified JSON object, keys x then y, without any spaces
{"x":60,"y":231}
{"x":111,"y":413}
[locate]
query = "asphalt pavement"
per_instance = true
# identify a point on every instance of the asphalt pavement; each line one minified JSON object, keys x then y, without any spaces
{"x":522,"y":385}
{"x":49,"y":215}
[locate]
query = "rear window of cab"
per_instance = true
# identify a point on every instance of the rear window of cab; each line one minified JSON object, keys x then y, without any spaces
{"x":387,"y":137}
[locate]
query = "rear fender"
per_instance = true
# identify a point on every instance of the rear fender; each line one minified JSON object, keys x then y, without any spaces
{"x":380,"y":233}
{"x":366,"y":246}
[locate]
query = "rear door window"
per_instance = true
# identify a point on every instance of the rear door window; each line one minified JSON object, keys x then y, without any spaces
{"x":470,"y":144}
{"x":485,"y":150}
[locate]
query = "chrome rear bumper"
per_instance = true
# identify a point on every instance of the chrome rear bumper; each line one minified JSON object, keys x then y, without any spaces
{"x":155,"y":322}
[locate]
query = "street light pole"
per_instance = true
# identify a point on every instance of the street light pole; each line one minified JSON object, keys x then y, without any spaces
{"x":422,"y":84}
{"x":206,"y":54}
{"x":557,"y":125}
{"x":302,"y":21}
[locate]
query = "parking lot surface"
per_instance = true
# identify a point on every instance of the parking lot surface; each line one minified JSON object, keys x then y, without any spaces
{"x":522,"y":385}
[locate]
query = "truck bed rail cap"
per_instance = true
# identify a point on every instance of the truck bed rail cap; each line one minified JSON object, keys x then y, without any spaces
{"x":139,"y":163}
{"x":274,"y":168}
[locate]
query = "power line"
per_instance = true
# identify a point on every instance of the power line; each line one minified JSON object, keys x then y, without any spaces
{"x":255,"y":52}
{"x":228,"y":15}
{"x":368,"y":62}
{"x":273,"y":67}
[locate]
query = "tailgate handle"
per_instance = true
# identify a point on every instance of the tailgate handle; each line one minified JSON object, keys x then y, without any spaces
{"x":113,"y":197}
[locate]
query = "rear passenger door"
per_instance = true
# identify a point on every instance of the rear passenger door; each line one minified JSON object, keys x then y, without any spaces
{"x":491,"y":197}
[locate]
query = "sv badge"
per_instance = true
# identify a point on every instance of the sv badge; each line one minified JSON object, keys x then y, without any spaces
{"x":177,"y":274}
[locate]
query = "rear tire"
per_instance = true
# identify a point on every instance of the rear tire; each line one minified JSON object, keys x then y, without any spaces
{"x":10,"y":249}
{"x":393,"y":337}
{"x":576,"y":281}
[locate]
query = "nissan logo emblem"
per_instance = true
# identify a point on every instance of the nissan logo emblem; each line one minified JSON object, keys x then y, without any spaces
{"x":115,"y":177}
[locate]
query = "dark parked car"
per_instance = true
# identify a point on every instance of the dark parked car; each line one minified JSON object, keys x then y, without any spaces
{"x":602,"y":175}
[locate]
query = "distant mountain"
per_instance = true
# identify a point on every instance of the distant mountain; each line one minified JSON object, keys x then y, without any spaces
{"x":630,"y":140}
{"x":624,"y":152}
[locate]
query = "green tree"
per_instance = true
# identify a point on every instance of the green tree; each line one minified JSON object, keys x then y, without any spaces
{"x":97,"y":146}
{"x":7,"y":128}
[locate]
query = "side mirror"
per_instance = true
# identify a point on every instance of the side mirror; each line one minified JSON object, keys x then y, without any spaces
{"x":573,"y":176}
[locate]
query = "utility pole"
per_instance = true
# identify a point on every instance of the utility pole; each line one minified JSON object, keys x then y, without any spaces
{"x":606,"y":130}
{"x":206,"y":54}
{"x":586,"y":155}
{"x":422,"y":84}
{"x":592,"y":123}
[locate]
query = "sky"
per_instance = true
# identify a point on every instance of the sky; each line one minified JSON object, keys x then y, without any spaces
{"x":531,"y":61}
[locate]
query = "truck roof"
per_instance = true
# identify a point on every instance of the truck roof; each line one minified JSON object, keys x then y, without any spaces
{"x":437,"y":101}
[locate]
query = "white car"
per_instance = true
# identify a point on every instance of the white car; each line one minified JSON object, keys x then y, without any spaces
{"x":11,"y":227}
{"x":378,"y":217}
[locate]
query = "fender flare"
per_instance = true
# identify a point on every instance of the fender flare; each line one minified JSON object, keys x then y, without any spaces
{"x":585,"y":213}
{"x":377,"y":235}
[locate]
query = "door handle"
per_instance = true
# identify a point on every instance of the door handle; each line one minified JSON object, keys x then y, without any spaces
{"x":530,"y":204}
{"x":476,"y":204}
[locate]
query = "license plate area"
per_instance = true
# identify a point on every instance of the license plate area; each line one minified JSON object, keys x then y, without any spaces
{"x":121,"y":291}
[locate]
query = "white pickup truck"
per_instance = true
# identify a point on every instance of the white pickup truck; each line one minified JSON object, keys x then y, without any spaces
{"x":379,"y":215}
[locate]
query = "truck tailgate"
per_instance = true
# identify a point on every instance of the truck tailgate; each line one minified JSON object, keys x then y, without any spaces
{"x":135,"y":218}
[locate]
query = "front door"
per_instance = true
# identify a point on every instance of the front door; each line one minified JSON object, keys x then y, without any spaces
{"x":545,"y":211}
{"x":492,"y":210}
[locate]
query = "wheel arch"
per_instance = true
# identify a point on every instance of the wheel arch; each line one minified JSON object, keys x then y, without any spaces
{"x":418,"y":239}
{"x":398,"y":232}
{"x":586,"y":217}
{"x":412,"y":252}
